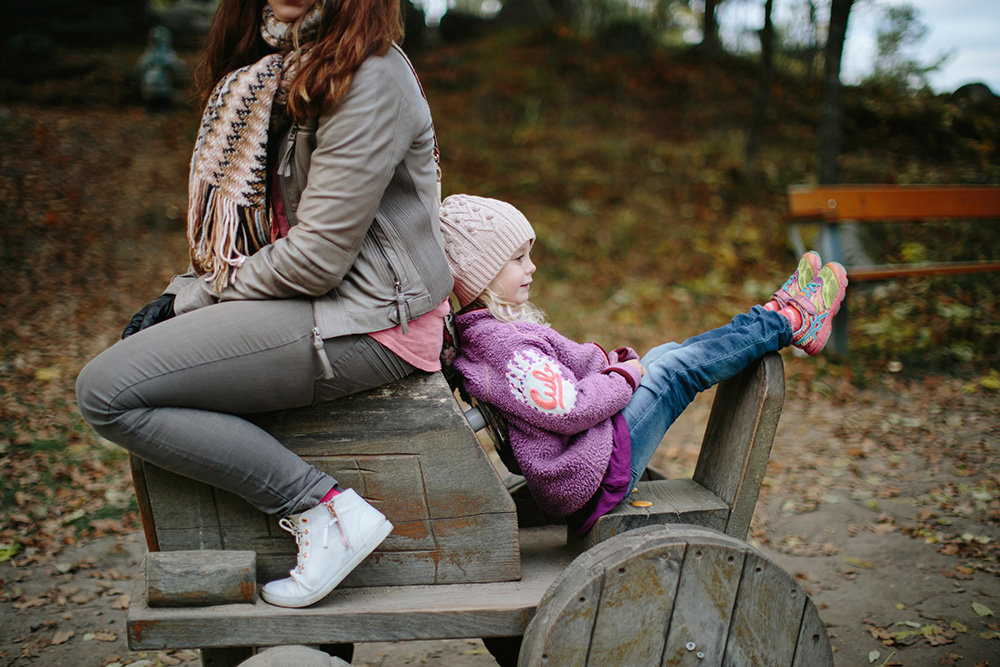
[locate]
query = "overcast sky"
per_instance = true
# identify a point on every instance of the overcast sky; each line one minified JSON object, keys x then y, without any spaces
{"x":970,"y":29}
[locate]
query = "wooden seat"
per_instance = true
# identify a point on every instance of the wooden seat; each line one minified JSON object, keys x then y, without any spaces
{"x":406,"y":448}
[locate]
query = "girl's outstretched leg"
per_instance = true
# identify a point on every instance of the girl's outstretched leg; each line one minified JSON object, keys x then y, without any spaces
{"x":675,"y":374}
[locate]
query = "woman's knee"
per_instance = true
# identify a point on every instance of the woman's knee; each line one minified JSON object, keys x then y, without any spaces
{"x":94,"y":392}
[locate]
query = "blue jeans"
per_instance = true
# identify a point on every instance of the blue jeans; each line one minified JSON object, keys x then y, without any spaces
{"x":675,"y":373}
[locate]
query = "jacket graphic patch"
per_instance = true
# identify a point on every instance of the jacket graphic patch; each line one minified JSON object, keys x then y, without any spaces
{"x":536,"y":381}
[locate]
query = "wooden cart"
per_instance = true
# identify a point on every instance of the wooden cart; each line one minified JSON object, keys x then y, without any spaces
{"x":670,"y":583}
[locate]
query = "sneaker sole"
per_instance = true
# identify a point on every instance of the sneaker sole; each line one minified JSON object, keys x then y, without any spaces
{"x":369,"y":546}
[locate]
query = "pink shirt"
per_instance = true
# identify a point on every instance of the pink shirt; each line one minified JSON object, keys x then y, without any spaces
{"x":421,"y":347}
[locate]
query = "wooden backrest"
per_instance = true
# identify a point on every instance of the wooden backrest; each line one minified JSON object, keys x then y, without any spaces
{"x":738,"y":438}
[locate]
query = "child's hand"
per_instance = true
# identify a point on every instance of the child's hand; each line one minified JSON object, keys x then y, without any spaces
{"x":638,"y":366}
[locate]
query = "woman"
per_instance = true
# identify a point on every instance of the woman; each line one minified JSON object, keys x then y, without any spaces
{"x":317,"y":269}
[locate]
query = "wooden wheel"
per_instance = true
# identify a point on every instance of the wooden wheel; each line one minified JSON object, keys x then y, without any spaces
{"x":675,"y":595}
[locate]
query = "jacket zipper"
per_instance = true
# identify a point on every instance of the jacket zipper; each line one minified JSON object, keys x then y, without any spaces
{"x":321,"y":353}
{"x":285,"y":166}
{"x":400,"y":298}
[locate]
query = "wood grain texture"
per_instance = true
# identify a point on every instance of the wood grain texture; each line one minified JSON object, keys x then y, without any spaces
{"x":813,"y":647}
{"x":766,"y":618}
{"x":200,"y":578}
{"x":675,"y":595}
{"x":407,"y":449}
{"x":706,"y":594}
{"x":673,"y":501}
{"x":738,"y":438}
{"x":376,"y":613}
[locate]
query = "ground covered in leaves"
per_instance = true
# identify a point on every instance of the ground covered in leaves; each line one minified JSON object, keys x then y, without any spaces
{"x":882,"y":495}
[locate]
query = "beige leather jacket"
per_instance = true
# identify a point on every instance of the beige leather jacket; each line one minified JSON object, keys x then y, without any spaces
{"x":359,"y":187}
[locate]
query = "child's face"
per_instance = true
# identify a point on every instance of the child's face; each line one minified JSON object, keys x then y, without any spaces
{"x":513,"y":282}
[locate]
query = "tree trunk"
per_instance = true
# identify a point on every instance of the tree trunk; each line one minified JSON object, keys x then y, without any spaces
{"x":832,"y":112}
{"x":762,"y":100}
{"x":710,"y":44}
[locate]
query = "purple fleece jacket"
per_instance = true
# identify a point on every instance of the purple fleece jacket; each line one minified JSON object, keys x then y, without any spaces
{"x":558,"y":396}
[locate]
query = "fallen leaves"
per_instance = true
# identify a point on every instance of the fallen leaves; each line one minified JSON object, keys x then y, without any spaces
{"x":62,"y":637}
{"x":857,"y":562}
{"x":981,"y":609}
{"x":913,"y":632}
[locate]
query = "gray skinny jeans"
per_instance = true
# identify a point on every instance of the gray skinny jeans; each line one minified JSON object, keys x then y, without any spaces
{"x":172,"y":395}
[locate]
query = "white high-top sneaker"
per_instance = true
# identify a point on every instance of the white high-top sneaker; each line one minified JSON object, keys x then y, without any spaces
{"x":333,"y":538}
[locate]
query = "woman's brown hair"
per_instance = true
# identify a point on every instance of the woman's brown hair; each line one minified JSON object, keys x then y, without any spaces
{"x":349,"y":32}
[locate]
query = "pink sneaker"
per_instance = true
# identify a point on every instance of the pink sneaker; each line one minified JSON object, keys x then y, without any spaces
{"x":818,"y":304}
{"x":809,"y":265}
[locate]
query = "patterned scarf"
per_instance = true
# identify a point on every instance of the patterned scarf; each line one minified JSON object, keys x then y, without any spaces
{"x":228,"y":216}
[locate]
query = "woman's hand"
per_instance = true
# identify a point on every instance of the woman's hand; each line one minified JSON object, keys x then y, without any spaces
{"x":159,"y":309}
{"x":637,"y":365}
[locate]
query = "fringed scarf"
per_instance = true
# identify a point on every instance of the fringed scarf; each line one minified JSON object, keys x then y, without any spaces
{"x":228,"y":216}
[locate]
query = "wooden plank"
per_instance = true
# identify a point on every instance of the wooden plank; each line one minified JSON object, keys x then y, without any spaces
{"x":731,"y":607}
{"x":813,"y":646}
{"x":766,"y":618}
{"x":184,"y":511}
{"x":565,"y":604}
{"x":142,"y":498}
{"x":573,"y":613}
{"x":738,"y":438}
{"x":901,"y":202}
{"x":635,"y":607}
{"x":888,"y":271}
{"x":673,"y":501}
{"x":383,"y":613}
{"x":703,"y":609}
{"x":200,"y":578}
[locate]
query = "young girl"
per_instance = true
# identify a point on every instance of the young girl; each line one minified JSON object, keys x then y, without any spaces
{"x":584,"y":423}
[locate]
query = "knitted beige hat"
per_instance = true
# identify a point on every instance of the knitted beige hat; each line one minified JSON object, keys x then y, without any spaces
{"x":480,"y":236}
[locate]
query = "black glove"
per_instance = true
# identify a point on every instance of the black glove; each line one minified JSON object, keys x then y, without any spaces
{"x":159,"y":309}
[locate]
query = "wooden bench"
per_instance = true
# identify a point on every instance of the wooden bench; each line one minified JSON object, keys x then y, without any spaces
{"x":457,"y":565}
{"x":832,"y":205}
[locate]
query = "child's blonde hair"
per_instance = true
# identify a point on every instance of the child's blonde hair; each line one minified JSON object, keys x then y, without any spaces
{"x":505,"y":311}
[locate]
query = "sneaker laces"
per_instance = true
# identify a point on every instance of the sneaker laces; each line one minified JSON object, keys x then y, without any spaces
{"x":299,"y":533}
{"x":300,"y":537}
